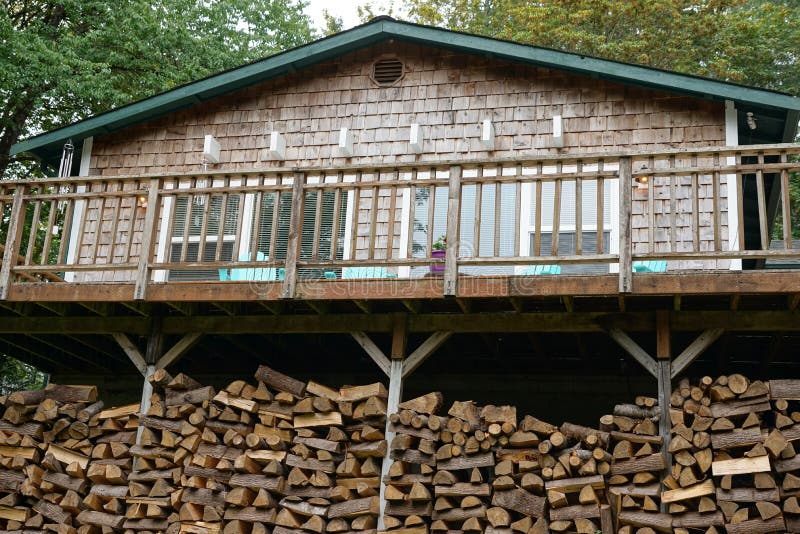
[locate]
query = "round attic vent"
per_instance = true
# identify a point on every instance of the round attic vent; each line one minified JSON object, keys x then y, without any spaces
{"x":386,"y":72}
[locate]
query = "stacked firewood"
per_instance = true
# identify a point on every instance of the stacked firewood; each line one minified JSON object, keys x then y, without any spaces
{"x":637,"y":466}
{"x":409,"y":481}
{"x":785,"y":395}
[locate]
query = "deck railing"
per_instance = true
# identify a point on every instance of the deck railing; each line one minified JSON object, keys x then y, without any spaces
{"x":706,"y":208}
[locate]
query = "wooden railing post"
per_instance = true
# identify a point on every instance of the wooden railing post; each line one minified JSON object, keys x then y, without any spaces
{"x":148,"y":239}
{"x":453,"y":214}
{"x":625,"y":212}
{"x":295,"y":237}
{"x":664,"y":360}
{"x":16,"y":225}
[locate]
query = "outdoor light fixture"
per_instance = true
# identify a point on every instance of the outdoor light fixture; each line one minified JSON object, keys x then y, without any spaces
{"x":415,"y":139}
{"x":487,"y":135}
{"x":211,"y":149}
{"x":642,"y":180}
{"x":141,"y":199}
{"x":558,"y":132}
{"x":277,"y":146}
{"x":344,"y":149}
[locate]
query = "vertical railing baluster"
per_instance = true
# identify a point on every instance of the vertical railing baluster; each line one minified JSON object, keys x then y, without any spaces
{"x":579,"y":210}
{"x":498,"y":214}
{"x":651,"y":206}
{"x":601,"y":193}
{"x":34,"y":230}
{"x":317,"y":220}
{"x":625,"y":209}
{"x":537,"y":222}
{"x":695,"y":206}
{"x":715,"y":205}
{"x":201,"y":246}
{"x":115,"y":221}
{"x":373,"y":220}
{"x":337,"y":208}
{"x":392,"y":209}
{"x":556,"y":212}
{"x":412,"y":214}
{"x":356,"y":214}
{"x":273,"y":233}
{"x":98,"y":233}
{"x":762,"y":204}
{"x":478,"y":203}
{"x":16,"y":226}
{"x":48,"y":232}
{"x":295,"y":236}
{"x":517,"y":210}
{"x":223,"y":214}
{"x":431,"y":212}
{"x":66,"y":227}
{"x":740,"y":203}
{"x":673,"y":207}
{"x":786,"y":214}
{"x":453,"y":215}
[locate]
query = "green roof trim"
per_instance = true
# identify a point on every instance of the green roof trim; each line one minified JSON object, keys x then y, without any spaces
{"x":384,"y":28}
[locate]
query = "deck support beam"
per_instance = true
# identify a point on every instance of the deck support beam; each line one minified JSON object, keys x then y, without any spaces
{"x":664,"y":361}
{"x":178,"y":350}
{"x":396,"y":368}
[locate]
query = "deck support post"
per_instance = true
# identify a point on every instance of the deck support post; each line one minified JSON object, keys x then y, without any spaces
{"x":147,"y":392}
{"x":664,"y":355}
{"x":396,"y":368}
{"x":295,"y":236}
{"x":148,"y":239}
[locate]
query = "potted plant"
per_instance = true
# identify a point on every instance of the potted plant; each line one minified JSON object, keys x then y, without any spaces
{"x":438,"y":250}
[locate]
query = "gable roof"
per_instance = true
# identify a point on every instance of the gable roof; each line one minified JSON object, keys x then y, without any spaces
{"x":782,"y":109}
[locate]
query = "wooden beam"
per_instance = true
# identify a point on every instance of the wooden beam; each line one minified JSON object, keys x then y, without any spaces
{"x":363,"y":305}
{"x":663,"y":349}
{"x":104,"y":309}
{"x":632,"y":348}
{"x":427,"y":348}
{"x":399,"y":336}
{"x":147,"y":392}
{"x":178,"y":350}
{"x":569,"y":303}
{"x":392,"y":406}
{"x":133,"y":352}
{"x":274,"y":307}
{"x":151,"y":217}
{"x":322,"y":307}
{"x":230,"y":309}
{"x":294,"y":238}
{"x":793,"y":301}
{"x":453,"y":214}
{"x":373,"y":351}
{"x":664,"y":425}
{"x":155,"y":341}
{"x":414,"y":306}
{"x":16,"y":226}
{"x":695,"y":349}
{"x":184,"y":308}
{"x":625,"y":216}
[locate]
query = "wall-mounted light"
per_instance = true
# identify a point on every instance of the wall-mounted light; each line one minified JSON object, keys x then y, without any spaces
{"x":141,"y":199}
{"x":277,"y":146}
{"x":415,"y":139}
{"x":558,"y":132}
{"x":344,"y":148}
{"x":211,"y":150}
{"x":642,"y":181}
{"x":487,"y":135}
{"x":751,"y":121}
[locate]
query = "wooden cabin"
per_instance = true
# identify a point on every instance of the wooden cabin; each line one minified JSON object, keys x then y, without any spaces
{"x":525,"y":216}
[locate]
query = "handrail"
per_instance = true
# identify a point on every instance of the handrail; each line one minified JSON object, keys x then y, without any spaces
{"x":523,"y":158}
{"x":669,"y":206}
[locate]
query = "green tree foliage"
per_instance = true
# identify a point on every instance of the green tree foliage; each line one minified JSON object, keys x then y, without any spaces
{"x":746,"y":41}
{"x":16,"y":376}
{"x":63,"y":60}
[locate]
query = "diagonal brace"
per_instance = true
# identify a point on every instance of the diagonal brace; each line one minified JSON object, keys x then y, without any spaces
{"x":695,"y":349}
{"x":373,"y":351}
{"x":632,"y":348}
{"x":133,"y":352}
{"x":178,"y":350}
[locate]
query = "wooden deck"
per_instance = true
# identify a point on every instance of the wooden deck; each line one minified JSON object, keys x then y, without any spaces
{"x":91,"y":265}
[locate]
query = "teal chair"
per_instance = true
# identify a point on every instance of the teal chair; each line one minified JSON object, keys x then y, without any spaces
{"x":249,"y":274}
{"x":653,"y":266}
{"x":351,"y":273}
{"x":541,"y":269}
